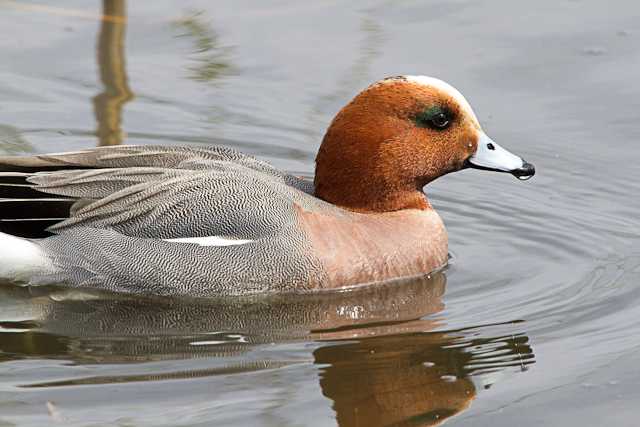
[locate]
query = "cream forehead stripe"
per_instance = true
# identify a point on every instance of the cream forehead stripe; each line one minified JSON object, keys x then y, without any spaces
{"x":440,"y":85}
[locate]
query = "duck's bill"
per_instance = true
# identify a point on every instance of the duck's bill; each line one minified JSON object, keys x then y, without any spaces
{"x":490,"y":156}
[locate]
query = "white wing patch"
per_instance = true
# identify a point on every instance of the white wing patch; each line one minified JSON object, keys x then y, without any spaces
{"x":210,"y":241}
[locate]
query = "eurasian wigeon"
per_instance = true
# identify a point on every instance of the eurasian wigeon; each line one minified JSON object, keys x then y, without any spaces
{"x":208,"y":221}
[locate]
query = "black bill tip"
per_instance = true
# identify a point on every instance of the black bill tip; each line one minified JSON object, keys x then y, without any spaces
{"x":526,"y":171}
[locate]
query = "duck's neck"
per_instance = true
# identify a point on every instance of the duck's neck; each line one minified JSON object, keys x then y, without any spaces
{"x":365,"y":192}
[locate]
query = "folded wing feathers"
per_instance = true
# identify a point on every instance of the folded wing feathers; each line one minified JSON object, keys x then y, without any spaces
{"x":98,"y":183}
{"x":128,"y":203}
{"x":137,"y":186}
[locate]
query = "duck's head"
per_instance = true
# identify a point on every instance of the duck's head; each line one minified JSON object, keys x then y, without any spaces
{"x":398,"y":135}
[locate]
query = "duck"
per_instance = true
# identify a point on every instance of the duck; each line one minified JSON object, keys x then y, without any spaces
{"x":208,"y":221}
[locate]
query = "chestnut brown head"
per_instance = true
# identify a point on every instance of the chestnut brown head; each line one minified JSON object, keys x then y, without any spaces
{"x":398,"y":135}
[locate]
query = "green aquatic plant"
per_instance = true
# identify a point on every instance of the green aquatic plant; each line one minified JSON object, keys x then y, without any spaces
{"x":211,"y":60}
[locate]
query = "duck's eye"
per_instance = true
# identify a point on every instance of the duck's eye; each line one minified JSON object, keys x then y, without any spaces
{"x":435,"y":118}
{"x":440,"y":120}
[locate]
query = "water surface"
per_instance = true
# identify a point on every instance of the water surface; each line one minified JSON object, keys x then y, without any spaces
{"x":534,"y":323}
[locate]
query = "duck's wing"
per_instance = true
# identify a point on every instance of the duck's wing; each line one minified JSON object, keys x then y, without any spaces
{"x":223,"y":230}
{"x":39,"y":191}
{"x":229,"y":201}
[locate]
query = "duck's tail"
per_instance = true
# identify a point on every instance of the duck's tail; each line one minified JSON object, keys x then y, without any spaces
{"x":22,"y":259}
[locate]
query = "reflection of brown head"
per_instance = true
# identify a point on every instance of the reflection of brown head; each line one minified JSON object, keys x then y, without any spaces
{"x":412,"y":380}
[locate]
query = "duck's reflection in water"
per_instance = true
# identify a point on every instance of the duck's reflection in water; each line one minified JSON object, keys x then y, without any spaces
{"x":379,"y":360}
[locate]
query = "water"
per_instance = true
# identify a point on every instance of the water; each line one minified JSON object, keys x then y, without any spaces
{"x":534,"y":323}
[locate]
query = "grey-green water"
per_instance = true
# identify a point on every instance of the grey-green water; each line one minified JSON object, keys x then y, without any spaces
{"x":536,"y":321}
